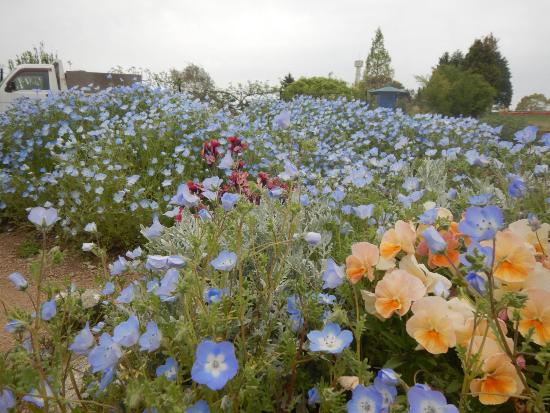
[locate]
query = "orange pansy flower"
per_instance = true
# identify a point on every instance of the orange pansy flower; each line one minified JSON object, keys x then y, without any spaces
{"x":364,"y":256}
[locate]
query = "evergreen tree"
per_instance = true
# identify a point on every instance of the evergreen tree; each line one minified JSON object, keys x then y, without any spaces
{"x":378,"y":70}
{"x":455,"y":59}
{"x":287,"y":80}
{"x":485,"y":59}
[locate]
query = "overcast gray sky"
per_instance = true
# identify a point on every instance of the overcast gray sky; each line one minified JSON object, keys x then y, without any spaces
{"x":244,"y":40}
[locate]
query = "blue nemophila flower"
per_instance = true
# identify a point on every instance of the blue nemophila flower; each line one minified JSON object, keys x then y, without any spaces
{"x":48,"y":310}
{"x":482,"y":223}
{"x":304,"y":200}
{"x":169,"y":369}
{"x":7,"y":401}
{"x":87,"y":246}
{"x":387,"y":376}
{"x":533,"y":221}
{"x":215,"y":364}
{"x":480,"y":200}
{"x":226,"y":162}
{"x":294,"y":313}
{"x":422,"y":399}
{"x":13,"y":326}
{"x":127,"y":332}
{"x":290,"y":171}
{"x":98,"y":327}
{"x":326,"y":299}
{"x":363,"y":211}
{"x":106,"y":378}
{"x":184,"y":197}
{"x":91,"y":227}
{"x":516,"y":186}
{"x":282,"y":120}
{"x":108,"y":289}
{"x":204,"y":214}
{"x":330,"y":339}
{"x":435,"y":241}
{"x":477,"y":250}
{"x":312,"y":238}
{"x":35,"y":398}
{"x":477,"y":282}
{"x":229,"y":200}
{"x":83,"y":341}
{"x":276,"y":192}
{"x":333,"y":276}
{"x":214,"y":295}
{"x":313,"y":396}
{"x":385,"y":383}
{"x":428,"y":217}
{"x":225,"y":261}
{"x":119,"y":266}
{"x":199,"y":407}
{"x":150,"y":340}
{"x":411,"y":184}
{"x":365,"y":399}
{"x":126,"y":296}
{"x":168,"y":285}
{"x":452,"y":194}
{"x":105,"y":355}
{"x":43,"y":217}
{"x":134,"y":254}
{"x":338,"y":195}
{"x":211,"y":187}
{"x":526,"y":135}
{"x":154,"y":231}
{"x":18,"y":281}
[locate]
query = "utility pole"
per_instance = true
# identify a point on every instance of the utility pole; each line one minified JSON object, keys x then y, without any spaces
{"x":358,"y":65}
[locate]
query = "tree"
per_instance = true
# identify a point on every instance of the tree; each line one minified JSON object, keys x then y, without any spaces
{"x":236,"y":98}
{"x":534,"y":102}
{"x":453,"y":91}
{"x":193,"y":80}
{"x":35,"y":56}
{"x":485,"y":59}
{"x":320,"y":87}
{"x":455,"y":59}
{"x":378,"y":70}
{"x":287,"y":80}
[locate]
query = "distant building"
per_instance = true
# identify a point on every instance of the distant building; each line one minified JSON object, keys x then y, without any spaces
{"x":386,"y":97}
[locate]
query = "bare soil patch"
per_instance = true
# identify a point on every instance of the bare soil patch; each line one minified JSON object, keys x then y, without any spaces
{"x":75,"y":267}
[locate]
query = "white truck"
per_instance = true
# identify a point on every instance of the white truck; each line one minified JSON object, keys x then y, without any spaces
{"x":36,"y":81}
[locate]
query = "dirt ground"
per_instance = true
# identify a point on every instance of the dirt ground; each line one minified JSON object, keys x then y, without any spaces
{"x":77,"y":267}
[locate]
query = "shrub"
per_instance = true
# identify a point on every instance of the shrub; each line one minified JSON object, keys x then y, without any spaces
{"x":319,"y":87}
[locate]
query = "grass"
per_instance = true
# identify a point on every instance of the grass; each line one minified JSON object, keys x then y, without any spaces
{"x":513,"y":123}
{"x":542,"y":121}
{"x":29,"y":248}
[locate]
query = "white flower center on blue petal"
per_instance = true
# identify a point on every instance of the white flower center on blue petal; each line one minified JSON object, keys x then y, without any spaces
{"x":428,"y":406}
{"x":366,"y":405}
{"x":215,"y":365}
{"x":330,"y":342}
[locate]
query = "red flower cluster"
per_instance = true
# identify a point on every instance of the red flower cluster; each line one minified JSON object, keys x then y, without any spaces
{"x":265,"y":181}
{"x":236,"y":145}
{"x":210,"y":152}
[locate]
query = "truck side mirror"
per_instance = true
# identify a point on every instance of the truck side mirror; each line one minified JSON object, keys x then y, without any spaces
{"x":10,"y":87}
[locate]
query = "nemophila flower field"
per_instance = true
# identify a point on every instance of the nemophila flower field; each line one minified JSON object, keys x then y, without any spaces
{"x":309,"y":255}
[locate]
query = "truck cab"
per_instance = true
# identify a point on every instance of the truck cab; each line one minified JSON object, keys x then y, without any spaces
{"x":33,"y":81}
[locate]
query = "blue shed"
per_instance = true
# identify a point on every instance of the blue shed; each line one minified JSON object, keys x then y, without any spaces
{"x":386,"y":97}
